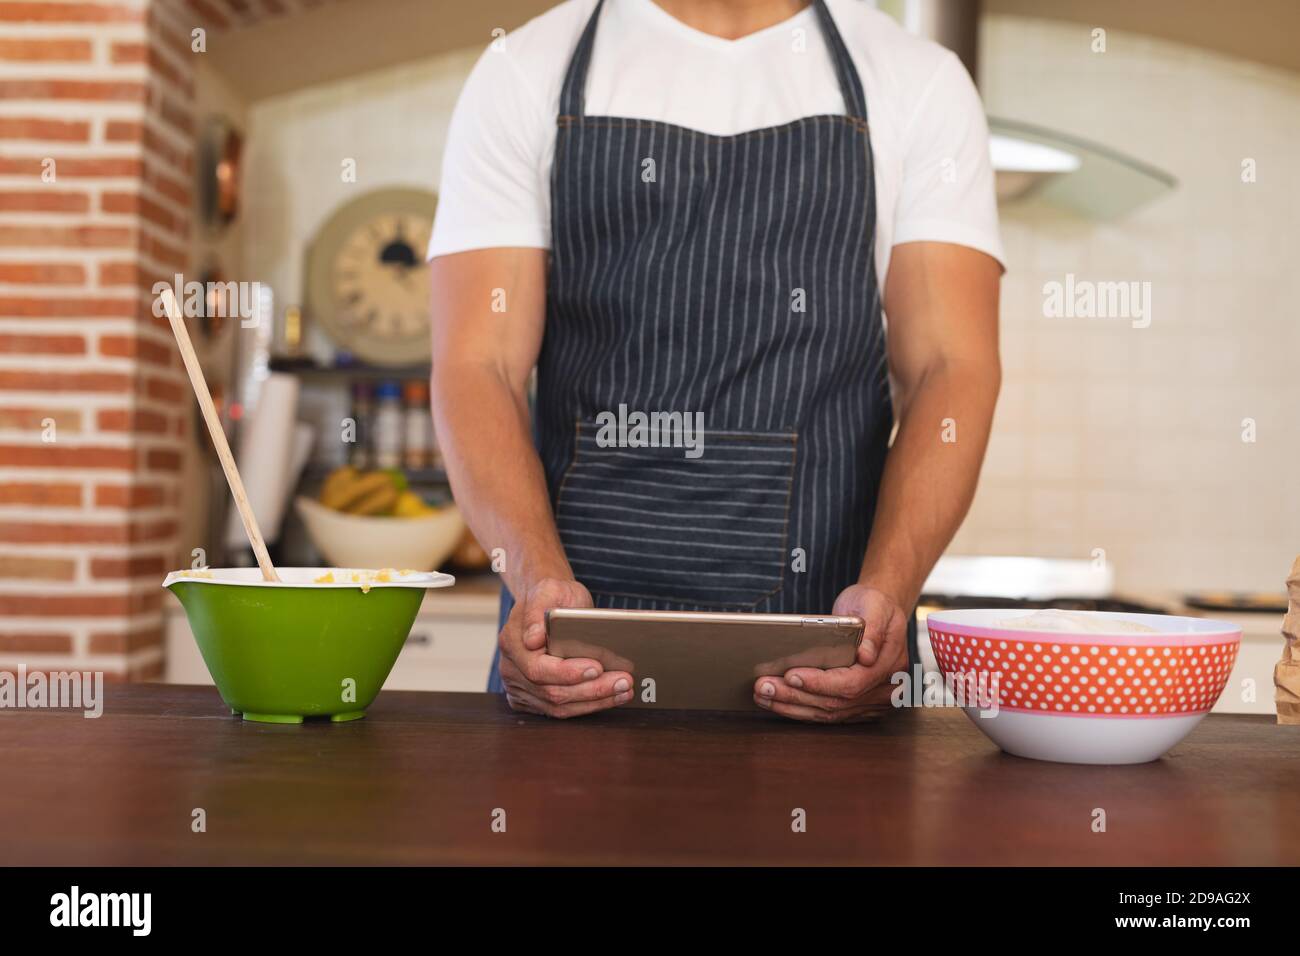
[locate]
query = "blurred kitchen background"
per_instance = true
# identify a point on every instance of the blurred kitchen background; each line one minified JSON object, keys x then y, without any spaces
{"x":297,"y":144}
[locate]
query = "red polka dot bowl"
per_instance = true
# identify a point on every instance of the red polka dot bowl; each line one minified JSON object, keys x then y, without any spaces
{"x":1099,"y":694}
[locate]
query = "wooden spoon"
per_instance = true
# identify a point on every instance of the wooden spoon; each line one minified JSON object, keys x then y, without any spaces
{"x":218,"y":435}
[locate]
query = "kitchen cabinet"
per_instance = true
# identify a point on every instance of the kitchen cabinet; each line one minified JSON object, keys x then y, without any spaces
{"x":446,"y":652}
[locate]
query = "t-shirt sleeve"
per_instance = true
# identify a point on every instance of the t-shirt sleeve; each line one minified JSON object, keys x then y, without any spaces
{"x":947,"y":192}
{"x":493,"y":191}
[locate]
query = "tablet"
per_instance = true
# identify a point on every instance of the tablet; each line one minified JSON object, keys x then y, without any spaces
{"x":694,"y":660}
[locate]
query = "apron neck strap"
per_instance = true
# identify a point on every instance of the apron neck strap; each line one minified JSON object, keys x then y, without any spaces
{"x":855,"y":101}
{"x":573,"y":93}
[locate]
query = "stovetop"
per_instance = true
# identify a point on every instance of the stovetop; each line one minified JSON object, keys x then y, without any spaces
{"x":957,"y":601}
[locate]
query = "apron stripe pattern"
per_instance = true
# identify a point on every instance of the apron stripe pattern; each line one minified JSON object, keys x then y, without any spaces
{"x":726,"y":282}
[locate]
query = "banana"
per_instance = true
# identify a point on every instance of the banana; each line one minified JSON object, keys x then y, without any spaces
{"x":377,"y":501}
{"x":334,"y":488}
{"x":345,"y":498}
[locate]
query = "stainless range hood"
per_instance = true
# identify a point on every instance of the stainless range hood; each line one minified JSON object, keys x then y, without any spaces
{"x":1085,"y":177}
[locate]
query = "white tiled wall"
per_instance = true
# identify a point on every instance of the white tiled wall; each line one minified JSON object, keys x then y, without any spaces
{"x":1130,"y":439}
{"x":393,"y":123}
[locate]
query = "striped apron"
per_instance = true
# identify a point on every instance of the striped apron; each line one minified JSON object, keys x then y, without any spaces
{"x":726,"y":282}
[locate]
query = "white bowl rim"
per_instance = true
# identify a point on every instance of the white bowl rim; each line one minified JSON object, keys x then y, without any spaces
{"x":303,"y":503}
{"x":1171,"y":629}
{"x":305,"y":578}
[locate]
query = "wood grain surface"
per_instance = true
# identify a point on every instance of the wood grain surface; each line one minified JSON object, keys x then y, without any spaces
{"x":418,"y":781}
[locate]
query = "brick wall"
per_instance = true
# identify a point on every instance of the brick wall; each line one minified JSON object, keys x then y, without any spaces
{"x":96,"y":162}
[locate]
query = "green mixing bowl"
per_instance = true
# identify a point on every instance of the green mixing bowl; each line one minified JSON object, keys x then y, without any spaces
{"x":304,"y":647}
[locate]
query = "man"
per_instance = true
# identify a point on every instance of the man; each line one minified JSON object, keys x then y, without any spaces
{"x":727,"y":190}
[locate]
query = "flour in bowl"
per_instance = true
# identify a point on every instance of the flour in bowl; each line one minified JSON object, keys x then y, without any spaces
{"x":365,"y":578}
{"x":1074,"y":622}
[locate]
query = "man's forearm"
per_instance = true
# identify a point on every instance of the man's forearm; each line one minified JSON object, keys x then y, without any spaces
{"x":495,"y":474}
{"x":930,"y":476}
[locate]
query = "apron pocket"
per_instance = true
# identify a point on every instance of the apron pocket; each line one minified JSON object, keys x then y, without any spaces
{"x":650,"y":524}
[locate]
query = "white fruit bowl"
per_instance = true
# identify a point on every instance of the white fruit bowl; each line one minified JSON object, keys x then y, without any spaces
{"x":1106,"y":695}
{"x":356,"y":541}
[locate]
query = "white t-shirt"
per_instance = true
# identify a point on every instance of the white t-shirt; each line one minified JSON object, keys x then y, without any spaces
{"x":934,"y":178}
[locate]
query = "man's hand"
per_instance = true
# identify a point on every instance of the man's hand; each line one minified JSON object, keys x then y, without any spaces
{"x":942,"y":303}
{"x":537,"y":682}
{"x":857,"y":692}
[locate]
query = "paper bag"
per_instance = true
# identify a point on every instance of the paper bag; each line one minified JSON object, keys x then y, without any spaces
{"x":1286,"y":676}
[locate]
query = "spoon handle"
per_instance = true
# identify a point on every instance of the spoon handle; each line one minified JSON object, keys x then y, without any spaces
{"x":218,"y":435}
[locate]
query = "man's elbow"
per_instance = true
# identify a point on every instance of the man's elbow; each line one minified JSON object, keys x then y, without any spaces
{"x":974,"y":377}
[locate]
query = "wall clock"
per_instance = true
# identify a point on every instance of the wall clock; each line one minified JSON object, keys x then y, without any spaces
{"x":367,"y":285}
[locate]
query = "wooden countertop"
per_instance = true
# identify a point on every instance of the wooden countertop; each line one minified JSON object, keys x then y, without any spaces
{"x":419,"y":779}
